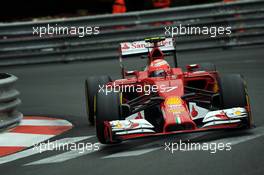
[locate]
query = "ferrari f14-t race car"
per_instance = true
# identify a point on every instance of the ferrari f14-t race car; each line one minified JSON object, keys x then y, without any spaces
{"x":161,"y":99}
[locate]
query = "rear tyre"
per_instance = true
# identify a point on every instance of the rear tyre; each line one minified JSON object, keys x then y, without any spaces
{"x":91,"y":88}
{"x":233,"y":92}
{"x":107,"y":109}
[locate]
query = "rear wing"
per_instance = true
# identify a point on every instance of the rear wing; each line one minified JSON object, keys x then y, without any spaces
{"x":143,"y":47}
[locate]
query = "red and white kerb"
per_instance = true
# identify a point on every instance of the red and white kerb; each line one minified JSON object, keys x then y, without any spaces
{"x":31,"y":130}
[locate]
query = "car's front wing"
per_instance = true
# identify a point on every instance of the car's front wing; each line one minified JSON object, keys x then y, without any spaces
{"x":135,"y":128}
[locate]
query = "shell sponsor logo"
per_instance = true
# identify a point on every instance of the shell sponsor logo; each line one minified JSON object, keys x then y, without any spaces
{"x":125,"y":125}
{"x":173,"y":101}
{"x":118,"y":125}
{"x":237,"y":113}
{"x":174,"y":105}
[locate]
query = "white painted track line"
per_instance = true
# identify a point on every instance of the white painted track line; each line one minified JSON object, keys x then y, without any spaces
{"x":256,"y":132}
{"x":131,"y":153}
{"x":35,"y":122}
{"x":63,"y":157}
{"x":21,"y":139}
{"x":34,"y":150}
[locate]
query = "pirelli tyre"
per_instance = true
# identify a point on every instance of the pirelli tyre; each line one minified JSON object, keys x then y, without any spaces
{"x":233,"y":93}
{"x":91,"y":87}
{"x":108,"y":108}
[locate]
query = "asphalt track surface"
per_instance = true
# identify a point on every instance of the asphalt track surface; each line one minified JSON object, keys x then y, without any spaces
{"x":57,"y":90}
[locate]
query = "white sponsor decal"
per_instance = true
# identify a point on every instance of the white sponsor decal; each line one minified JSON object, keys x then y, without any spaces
{"x":226,"y":114}
{"x":120,"y":125}
{"x":136,"y":47}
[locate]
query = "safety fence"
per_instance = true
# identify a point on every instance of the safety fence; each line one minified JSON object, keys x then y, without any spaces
{"x":244,"y":19}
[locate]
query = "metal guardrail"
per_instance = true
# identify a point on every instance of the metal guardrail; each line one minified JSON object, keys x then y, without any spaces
{"x":19,"y":46}
{"x":9,"y":101}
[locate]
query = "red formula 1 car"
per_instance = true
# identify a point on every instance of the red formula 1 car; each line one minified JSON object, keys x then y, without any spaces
{"x":161,"y":99}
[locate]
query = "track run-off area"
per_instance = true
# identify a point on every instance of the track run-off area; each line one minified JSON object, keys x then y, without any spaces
{"x":57,"y":91}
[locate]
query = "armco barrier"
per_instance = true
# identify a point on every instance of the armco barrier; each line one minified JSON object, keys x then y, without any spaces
{"x":19,"y":46}
{"x":9,"y":101}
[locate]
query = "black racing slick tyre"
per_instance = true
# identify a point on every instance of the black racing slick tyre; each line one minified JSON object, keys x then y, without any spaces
{"x":155,"y":117}
{"x":108,"y":108}
{"x":233,"y":93}
{"x":91,"y":87}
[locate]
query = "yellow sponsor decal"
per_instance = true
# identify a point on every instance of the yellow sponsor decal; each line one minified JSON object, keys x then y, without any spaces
{"x":174,"y":105}
{"x":118,"y":125}
{"x":237,"y":112}
{"x":176,"y":110}
{"x":173,"y":101}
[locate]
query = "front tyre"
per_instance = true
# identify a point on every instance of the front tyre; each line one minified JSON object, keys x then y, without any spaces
{"x":91,"y":87}
{"x":233,"y":92}
{"x":108,"y":108}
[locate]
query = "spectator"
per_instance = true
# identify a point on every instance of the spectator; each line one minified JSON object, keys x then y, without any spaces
{"x":161,"y":3}
{"x":119,"y":6}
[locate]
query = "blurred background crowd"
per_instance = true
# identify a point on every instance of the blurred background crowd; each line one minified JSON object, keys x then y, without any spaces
{"x":17,"y":10}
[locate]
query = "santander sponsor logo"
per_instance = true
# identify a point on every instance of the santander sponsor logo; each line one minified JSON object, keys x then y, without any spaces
{"x":133,"y":46}
{"x":137,"y":45}
{"x":166,"y":43}
{"x":125,"y":46}
{"x":141,"y":46}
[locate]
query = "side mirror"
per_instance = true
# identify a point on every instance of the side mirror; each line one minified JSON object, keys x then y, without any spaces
{"x":191,"y":67}
{"x":128,"y":73}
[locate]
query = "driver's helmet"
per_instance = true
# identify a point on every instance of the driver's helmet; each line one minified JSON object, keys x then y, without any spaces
{"x":158,"y":68}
